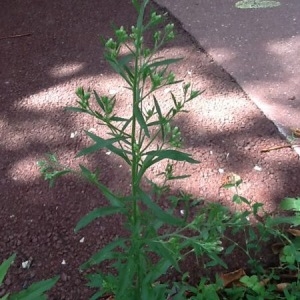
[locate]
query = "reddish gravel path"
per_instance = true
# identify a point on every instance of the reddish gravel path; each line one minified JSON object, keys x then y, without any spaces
{"x":38,"y":76}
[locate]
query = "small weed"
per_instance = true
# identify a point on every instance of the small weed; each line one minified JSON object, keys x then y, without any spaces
{"x":153,"y":231}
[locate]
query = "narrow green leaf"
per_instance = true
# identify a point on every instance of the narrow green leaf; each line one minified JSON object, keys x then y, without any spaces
{"x":141,"y":9}
{"x":160,"y":117}
{"x":171,"y":154}
{"x":158,"y":270}
{"x":116,"y":67}
{"x":101,"y":143}
{"x":139,"y":116}
{"x":164,"y":62}
{"x":104,"y":254}
{"x":126,"y":59}
{"x":36,"y":290}
{"x":114,"y":200}
{"x":76,"y":109}
{"x":290,"y":204}
{"x":152,"y":157}
{"x":118,"y":119}
{"x":97,"y":213}
{"x":230,"y":249}
{"x":163,"y":251}
{"x":293,"y":220}
{"x":158,"y":212}
{"x":99,"y":101}
{"x":5,"y":266}
{"x":5,"y":297}
{"x":126,"y":276}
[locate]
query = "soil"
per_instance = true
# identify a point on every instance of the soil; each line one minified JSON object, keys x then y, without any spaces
{"x":39,"y":74}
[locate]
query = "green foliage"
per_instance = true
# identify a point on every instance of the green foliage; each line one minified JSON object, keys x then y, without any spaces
{"x":36,"y":291}
{"x":160,"y":239}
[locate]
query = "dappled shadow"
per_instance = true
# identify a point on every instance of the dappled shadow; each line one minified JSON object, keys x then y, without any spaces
{"x":258,"y":47}
{"x":38,"y":76}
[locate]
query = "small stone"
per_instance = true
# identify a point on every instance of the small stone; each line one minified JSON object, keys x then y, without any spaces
{"x":258,"y":168}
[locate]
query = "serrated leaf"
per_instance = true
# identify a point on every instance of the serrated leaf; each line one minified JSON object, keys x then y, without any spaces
{"x":36,"y":290}
{"x":97,"y":213}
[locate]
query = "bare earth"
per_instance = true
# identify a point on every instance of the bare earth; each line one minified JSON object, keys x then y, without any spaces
{"x":38,"y":77}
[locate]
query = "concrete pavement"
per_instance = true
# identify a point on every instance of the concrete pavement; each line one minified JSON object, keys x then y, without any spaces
{"x":260,"y":48}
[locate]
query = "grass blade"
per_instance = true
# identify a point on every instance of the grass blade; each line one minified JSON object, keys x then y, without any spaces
{"x":5,"y":266}
{"x":97,"y":213}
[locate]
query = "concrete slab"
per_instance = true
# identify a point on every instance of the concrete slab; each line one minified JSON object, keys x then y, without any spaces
{"x":260,"y":48}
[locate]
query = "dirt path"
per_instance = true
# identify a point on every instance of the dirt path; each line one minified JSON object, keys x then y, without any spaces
{"x":38,"y":76}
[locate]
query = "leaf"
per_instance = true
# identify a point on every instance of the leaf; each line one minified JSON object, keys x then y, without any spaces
{"x":5,"y":266}
{"x":296,"y":132}
{"x":158,"y":212}
{"x":114,"y":200}
{"x":118,"y":119}
{"x":239,"y":199}
{"x":290,"y":204}
{"x":126,"y":276}
{"x":294,"y":232}
{"x":99,"y":101}
{"x":230,"y":249}
{"x":160,"y":118}
{"x":36,"y":290}
{"x":153,"y":157}
{"x":141,"y":120}
{"x":97,"y":213}
{"x":163,"y":251}
{"x":277,"y":248}
{"x":164,"y":62}
{"x":293,"y":220}
{"x":172,"y":154}
{"x":229,"y":278}
{"x":104,"y":254}
{"x":76,"y":109}
{"x":102,"y":143}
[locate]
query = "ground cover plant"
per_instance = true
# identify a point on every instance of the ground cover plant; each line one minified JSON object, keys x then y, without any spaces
{"x":159,"y":240}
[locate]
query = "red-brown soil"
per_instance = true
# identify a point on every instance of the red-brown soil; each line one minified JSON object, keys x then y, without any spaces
{"x":38,"y":77}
